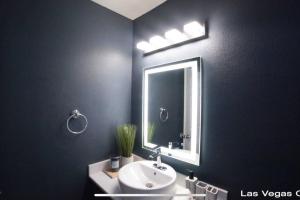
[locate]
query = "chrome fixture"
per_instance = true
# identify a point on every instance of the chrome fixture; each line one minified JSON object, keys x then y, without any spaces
{"x":75,"y":115}
{"x":157,"y":155}
{"x":164,"y":114}
{"x":173,"y":37}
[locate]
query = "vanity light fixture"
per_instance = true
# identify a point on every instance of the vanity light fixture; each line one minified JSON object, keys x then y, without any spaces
{"x":191,"y":31}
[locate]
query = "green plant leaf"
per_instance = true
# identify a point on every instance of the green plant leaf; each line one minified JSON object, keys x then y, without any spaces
{"x":126,"y":137}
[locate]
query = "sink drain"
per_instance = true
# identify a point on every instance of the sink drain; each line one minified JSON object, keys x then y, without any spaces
{"x":149,"y":185}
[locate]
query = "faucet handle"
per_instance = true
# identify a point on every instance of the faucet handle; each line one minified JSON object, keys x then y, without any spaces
{"x":159,"y":167}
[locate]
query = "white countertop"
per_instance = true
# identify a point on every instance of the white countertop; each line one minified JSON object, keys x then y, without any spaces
{"x":111,"y":185}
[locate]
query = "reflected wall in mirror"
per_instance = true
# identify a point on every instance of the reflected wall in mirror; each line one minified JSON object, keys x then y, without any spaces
{"x":171,"y":109}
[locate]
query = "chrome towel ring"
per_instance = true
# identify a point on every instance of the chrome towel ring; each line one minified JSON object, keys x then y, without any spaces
{"x":75,"y":115}
{"x":164,"y":114}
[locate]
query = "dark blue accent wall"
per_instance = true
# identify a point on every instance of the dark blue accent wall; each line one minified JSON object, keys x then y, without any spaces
{"x":251,"y":94}
{"x":57,"y":55}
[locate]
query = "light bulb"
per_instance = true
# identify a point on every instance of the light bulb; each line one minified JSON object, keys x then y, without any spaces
{"x":194,"y":29}
{"x":175,"y":36}
{"x":158,"y":42}
{"x":144,"y":46}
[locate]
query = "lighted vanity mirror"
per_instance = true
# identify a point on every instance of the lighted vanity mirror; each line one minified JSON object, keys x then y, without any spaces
{"x":172,"y":109}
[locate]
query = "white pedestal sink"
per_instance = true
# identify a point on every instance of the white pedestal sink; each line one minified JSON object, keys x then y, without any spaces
{"x":143,"y":177}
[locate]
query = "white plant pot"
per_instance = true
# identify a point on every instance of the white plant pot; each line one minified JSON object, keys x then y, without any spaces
{"x":126,"y":160}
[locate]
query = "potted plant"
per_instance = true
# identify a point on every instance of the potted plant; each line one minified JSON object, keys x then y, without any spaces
{"x":125,"y":137}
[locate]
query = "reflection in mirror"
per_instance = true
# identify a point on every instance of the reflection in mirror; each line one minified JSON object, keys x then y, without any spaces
{"x":171,"y":110}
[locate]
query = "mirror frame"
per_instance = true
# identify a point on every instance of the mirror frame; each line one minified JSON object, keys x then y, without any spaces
{"x":193,"y":156}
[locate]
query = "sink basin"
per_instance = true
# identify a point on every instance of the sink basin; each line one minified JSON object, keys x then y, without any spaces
{"x":142,"y":177}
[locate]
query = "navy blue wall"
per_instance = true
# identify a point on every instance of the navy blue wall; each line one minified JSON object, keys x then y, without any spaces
{"x":250,"y":137}
{"x":55,"y":56}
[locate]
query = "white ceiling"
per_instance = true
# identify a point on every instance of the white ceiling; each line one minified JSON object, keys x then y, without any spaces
{"x":131,"y":9}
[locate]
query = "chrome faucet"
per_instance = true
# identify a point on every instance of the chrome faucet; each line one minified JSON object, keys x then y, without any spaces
{"x":157,"y":155}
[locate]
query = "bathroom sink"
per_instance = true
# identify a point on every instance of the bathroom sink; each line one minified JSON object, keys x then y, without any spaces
{"x":142,"y":177}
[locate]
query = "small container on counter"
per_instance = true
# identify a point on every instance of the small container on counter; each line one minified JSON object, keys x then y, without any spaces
{"x":190,"y":182}
{"x":170,"y":145}
{"x":115,"y":163}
